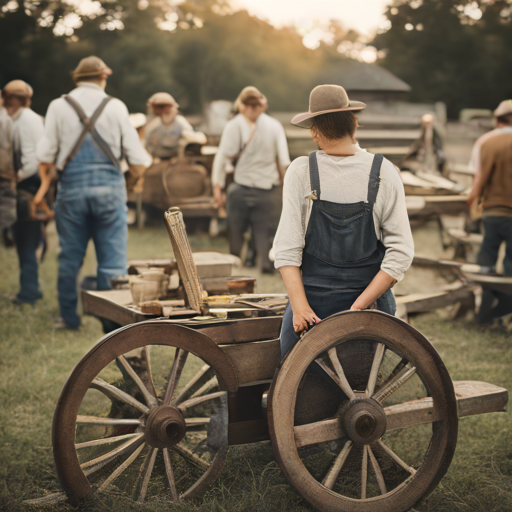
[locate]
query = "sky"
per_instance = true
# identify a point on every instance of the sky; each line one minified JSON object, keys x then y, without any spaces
{"x":363,"y":15}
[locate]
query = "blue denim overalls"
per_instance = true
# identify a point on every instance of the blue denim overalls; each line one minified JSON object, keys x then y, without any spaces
{"x":91,"y":203}
{"x":341,"y":256}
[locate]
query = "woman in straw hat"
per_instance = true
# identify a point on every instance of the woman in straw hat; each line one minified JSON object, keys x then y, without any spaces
{"x":344,"y":237}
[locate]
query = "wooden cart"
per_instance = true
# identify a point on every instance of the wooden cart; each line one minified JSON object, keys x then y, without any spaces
{"x":362,"y":413}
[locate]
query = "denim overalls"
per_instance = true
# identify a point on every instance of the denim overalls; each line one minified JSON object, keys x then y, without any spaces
{"x":341,"y":256}
{"x":91,"y":203}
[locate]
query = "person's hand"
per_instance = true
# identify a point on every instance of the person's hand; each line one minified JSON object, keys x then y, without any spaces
{"x":139,"y":186}
{"x":38,"y":197}
{"x":218,"y":196}
{"x":359,"y":305}
{"x":304,"y":319}
{"x":471,"y":199}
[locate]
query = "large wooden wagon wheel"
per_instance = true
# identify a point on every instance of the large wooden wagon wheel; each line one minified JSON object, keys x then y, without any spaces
{"x":144,"y":414}
{"x":363,"y":415}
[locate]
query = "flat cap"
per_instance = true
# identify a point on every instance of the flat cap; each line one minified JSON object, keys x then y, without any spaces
{"x":90,"y":67}
{"x":504,"y":108}
{"x":18,"y":88}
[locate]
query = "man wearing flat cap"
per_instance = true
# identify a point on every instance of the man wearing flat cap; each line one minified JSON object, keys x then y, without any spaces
{"x":86,"y":134}
{"x":27,"y":232}
{"x":493,"y":189}
{"x":255,"y":144}
{"x":168,"y":130}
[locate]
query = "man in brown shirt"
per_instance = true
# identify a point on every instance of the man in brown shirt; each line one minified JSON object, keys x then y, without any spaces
{"x":493,"y":186}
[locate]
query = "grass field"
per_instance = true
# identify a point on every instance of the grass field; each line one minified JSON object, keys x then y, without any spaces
{"x":35,"y":361}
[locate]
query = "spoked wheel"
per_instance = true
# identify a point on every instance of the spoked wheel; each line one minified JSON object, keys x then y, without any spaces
{"x":144,"y":414}
{"x":363,"y":415}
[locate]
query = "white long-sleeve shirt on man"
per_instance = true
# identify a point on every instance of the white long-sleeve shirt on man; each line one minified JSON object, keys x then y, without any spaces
{"x":28,"y":131}
{"x":257,"y":165}
{"x":63,"y":127}
{"x":345,"y":180}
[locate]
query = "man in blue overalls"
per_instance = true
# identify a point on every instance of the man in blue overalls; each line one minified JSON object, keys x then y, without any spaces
{"x":86,"y":132}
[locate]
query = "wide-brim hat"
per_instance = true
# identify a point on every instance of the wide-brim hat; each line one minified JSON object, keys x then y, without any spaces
{"x":325,"y":99}
{"x":18,"y":88}
{"x":161,"y":98}
{"x":504,"y":108}
{"x":249,"y":94}
{"x":90,"y":67}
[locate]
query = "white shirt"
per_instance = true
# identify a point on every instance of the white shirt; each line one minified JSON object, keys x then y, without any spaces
{"x":345,"y":180}
{"x":257,"y":165}
{"x":63,"y":127}
{"x":28,"y":131}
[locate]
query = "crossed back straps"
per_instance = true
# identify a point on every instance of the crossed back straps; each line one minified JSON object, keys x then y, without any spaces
{"x":373,"y":183}
{"x":88,"y":124}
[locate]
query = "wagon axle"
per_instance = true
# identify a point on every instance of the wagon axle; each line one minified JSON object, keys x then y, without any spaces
{"x":165,"y":427}
{"x":364,"y":421}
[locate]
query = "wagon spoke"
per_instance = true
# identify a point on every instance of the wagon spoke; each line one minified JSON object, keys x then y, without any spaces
{"x":364,"y":472}
{"x":191,"y":457}
{"x":333,"y":473}
{"x":399,"y":367}
{"x":108,"y":422}
{"x":328,"y":371}
{"x":345,"y":386}
{"x":105,"y":440}
{"x":203,"y":375}
{"x":191,"y":402}
{"x":149,"y":464}
{"x":150,"y":383}
{"x":318,"y":432}
{"x":180,"y":358}
{"x":115,"y":393}
{"x":121,"y":468}
{"x":205,"y":388}
{"x":374,"y":372}
{"x":196,"y":422}
{"x":378,"y":472}
{"x":120,"y":450}
{"x":395,"y":383}
{"x":396,"y":458}
{"x":150,"y":399}
{"x":170,"y":474}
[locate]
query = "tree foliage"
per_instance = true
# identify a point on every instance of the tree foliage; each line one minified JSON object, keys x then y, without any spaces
{"x":456,"y":51}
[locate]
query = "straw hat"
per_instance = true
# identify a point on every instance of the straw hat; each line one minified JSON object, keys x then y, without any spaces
{"x":161,"y":98}
{"x":325,"y":99}
{"x":18,"y":88}
{"x":504,"y":108}
{"x":90,"y":67}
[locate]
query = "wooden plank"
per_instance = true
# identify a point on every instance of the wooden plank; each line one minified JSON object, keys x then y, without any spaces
{"x":245,"y":432}
{"x":423,"y":302}
{"x":242,"y":331}
{"x":104,"y":305}
{"x":254,"y":361}
{"x":497,"y":283}
{"x":436,"y":205}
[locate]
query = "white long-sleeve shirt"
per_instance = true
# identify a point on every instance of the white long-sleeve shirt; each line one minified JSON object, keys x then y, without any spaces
{"x":257,"y":165}
{"x":28,"y":131}
{"x":345,"y":180}
{"x":63,"y":127}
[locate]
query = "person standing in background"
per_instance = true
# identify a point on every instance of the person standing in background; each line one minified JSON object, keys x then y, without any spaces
{"x":493,"y":187}
{"x":86,"y":134}
{"x":256,"y":145}
{"x":7,"y":176}
{"x":27,"y":232}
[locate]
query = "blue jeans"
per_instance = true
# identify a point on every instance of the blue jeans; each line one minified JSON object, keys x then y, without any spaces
{"x":81,"y":214}
{"x":28,"y":236}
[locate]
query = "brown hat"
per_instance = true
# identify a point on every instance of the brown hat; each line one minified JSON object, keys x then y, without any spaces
{"x":249,"y":94}
{"x":161,"y":98}
{"x":90,"y":67}
{"x":325,"y":99}
{"x":504,"y":108}
{"x":18,"y":88}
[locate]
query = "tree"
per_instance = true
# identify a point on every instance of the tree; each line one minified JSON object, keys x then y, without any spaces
{"x":456,"y":51}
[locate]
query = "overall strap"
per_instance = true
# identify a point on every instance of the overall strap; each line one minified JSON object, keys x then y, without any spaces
{"x":89,"y":128}
{"x":373,"y":184}
{"x":314,"y":176}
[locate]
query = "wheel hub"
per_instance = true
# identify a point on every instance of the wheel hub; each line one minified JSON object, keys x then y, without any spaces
{"x":364,"y":421}
{"x":165,"y":427}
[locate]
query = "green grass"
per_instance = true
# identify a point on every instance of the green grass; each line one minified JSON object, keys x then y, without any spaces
{"x":35,"y":361}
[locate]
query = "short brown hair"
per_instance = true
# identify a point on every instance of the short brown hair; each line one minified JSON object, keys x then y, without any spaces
{"x":336,"y":125}
{"x":507,"y":119}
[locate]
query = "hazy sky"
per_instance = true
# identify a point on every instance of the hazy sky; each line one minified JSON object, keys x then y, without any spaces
{"x":363,"y":15}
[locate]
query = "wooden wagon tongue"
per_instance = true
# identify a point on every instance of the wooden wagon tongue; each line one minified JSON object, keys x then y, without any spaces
{"x":183,"y":254}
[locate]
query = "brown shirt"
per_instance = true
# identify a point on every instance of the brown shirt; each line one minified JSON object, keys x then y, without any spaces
{"x":496,"y":169}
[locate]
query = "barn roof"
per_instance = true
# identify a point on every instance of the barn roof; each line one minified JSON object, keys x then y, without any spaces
{"x":354,"y":75}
